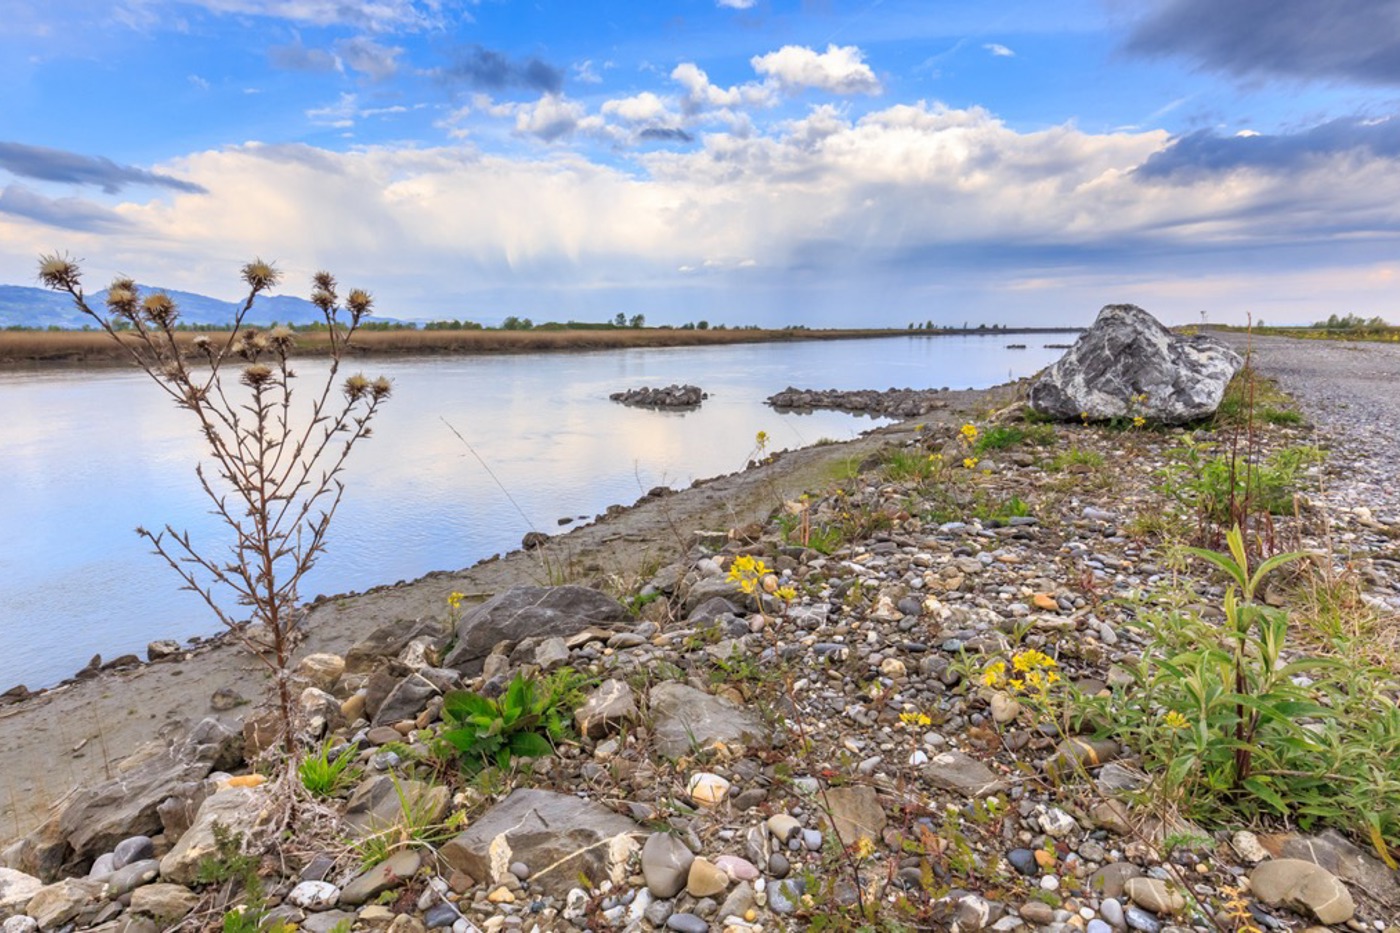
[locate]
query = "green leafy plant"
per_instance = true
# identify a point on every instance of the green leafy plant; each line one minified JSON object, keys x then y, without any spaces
{"x":1235,"y":729}
{"x":523,"y":723}
{"x":324,"y":774}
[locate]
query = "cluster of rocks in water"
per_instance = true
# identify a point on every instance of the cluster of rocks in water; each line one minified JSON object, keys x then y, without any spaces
{"x":733,"y":744}
{"x":672,"y":396}
{"x":895,"y":403}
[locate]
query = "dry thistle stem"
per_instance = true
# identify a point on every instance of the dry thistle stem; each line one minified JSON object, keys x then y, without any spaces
{"x":276,"y":472}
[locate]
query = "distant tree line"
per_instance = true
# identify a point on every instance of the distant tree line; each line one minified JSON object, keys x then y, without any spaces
{"x":1351,"y":322}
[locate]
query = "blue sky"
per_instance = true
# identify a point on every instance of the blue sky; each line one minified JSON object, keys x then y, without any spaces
{"x":745,"y":161}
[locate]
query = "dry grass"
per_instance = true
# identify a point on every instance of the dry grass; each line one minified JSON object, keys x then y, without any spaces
{"x":97,"y":347}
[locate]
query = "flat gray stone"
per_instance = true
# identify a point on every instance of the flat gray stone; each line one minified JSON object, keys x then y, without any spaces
{"x":686,"y":720}
{"x":856,"y":813}
{"x":954,"y":771}
{"x":388,"y":874}
{"x":521,"y":611}
{"x":666,"y":864}
{"x":16,"y":888}
{"x":237,"y":809}
{"x":164,"y":902}
{"x":56,"y":904}
{"x":1337,"y":854}
{"x":1310,"y":889}
{"x":378,"y":803}
{"x":130,"y":877}
{"x":608,"y":708}
{"x":559,"y":837}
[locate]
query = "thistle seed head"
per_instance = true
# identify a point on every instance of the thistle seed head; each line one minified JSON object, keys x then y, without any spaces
{"x":356,"y":386}
{"x":59,"y":272}
{"x":256,"y":375}
{"x":380,"y":388}
{"x":282,"y":338}
{"x":159,"y":309}
{"x":122,"y":296}
{"x":324,"y":300}
{"x":324,"y":281}
{"x":260,"y":275}
{"x":359,"y":302}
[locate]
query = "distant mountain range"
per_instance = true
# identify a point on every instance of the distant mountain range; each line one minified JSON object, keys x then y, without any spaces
{"x":22,"y":306}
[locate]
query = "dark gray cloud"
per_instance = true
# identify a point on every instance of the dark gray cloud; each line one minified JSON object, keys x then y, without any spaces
{"x":47,"y":164}
{"x":666,"y":134}
{"x":1350,"y":40}
{"x":68,"y":213}
{"x":297,"y":57}
{"x":483,"y":69}
{"x":1206,"y":153}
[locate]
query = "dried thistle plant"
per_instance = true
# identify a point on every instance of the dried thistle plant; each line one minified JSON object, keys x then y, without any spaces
{"x":273,"y":475}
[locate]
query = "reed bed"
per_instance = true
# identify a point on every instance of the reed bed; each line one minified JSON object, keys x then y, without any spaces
{"x":96,"y":347}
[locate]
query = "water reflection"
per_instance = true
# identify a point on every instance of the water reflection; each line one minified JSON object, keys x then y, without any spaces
{"x":89,"y":455}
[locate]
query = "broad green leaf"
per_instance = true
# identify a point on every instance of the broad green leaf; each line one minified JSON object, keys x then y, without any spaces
{"x":1259,"y":786}
{"x":530,"y":745}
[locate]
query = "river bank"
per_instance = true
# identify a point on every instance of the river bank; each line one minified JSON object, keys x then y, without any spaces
{"x":19,"y":348}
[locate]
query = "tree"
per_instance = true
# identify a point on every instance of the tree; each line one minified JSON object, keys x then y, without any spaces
{"x":275,"y":478}
{"x":702,"y":325}
{"x":620,"y":320}
{"x":637,"y":321}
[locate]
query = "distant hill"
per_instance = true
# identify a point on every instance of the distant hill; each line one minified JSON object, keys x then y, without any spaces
{"x":22,"y":306}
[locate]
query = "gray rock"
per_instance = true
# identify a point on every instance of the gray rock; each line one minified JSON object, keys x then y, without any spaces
{"x":672,"y":396}
{"x":314,"y":895}
{"x":666,"y":864}
{"x":1310,"y":889}
{"x":609,"y":707}
{"x":558,"y":836}
{"x":856,"y":813}
{"x":439,"y":916}
{"x":1337,"y":854}
{"x":686,"y":720}
{"x":1126,"y":355}
{"x":165,"y":902}
{"x":237,"y":809}
{"x":388,"y":874}
{"x":1112,"y":911}
{"x":326,"y":920}
{"x":551,"y":653}
{"x":954,"y":771}
{"x":687,"y":923}
{"x":178,"y":811}
{"x":162,"y":648}
{"x":1155,"y":895}
{"x":16,"y":888}
{"x":321,"y":670}
{"x":1110,"y":880}
{"x":20,"y":924}
{"x":406,"y":700}
{"x":56,"y":904}
{"x":785,"y":896}
{"x":134,"y":849}
{"x":95,"y":820}
{"x":706,"y":590}
{"x":1139,"y":919}
{"x":971,"y":914}
{"x":528,"y":610}
{"x":130,"y":877}
{"x":378,"y":803}
{"x":102,"y":869}
{"x":386,"y":642}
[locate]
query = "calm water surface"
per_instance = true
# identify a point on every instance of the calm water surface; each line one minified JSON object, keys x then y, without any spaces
{"x":89,"y":455}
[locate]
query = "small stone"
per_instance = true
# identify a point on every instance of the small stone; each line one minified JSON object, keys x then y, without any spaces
{"x":1110,"y":880}
{"x":1139,"y":919}
{"x":165,"y":902}
{"x":778,"y":865}
{"x":1248,"y":847}
{"x":783,"y":827}
{"x":705,"y":879}
{"x":20,"y":924}
{"x":501,"y":895}
{"x":314,"y":895}
{"x":133,"y":849}
{"x":1037,"y":912}
{"x":1154,"y":895}
{"x":1044,"y":859}
{"x":687,"y":923}
{"x":1005,"y":708}
{"x":1024,"y":861}
{"x":706,"y":789}
{"x":665,"y":864}
{"x":1098,"y":926}
{"x":893,"y":668}
{"x":811,"y":840}
{"x":1057,"y":823}
{"x":440,"y":915}
{"x":131,"y":877}
{"x":736,"y":868}
{"x":1045,"y":602}
{"x":388,"y":874}
{"x":785,"y":896}
{"x":1112,"y":911}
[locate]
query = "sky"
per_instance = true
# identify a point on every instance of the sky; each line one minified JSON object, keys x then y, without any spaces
{"x":775,"y":162}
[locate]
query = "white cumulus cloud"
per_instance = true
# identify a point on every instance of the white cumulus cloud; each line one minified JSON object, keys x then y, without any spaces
{"x":840,"y":69}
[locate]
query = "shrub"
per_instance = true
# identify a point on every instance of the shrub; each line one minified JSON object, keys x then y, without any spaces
{"x":523,"y":723}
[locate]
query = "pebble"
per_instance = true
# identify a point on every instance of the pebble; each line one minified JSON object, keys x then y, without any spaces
{"x":1023,"y":860}
{"x":314,"y":895}
{"x":687,"y":923}
{"x":1139,"y":919}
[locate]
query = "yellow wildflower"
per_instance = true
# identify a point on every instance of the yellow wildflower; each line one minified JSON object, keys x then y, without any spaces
{"x":995,"y":674}
{"x":1016,"y":684}
{"x":915,"y":719}
{"x":865,"y":847}
{"x":454,"y":600}
{"x":1174,"y":720}
{"x":969,"y":433}
{"x":969,"y":462}
{"x":1032,"y":660}
{"x":747,"y":571}
{"x":786,"y":593}
{"x":1139,"y":421}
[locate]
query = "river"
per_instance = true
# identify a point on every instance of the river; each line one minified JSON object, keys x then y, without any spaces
{"x":87,"y":455}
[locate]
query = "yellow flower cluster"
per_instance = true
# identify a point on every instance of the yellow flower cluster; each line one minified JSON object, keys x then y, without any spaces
{"x":915,"y":719}
{"x":747,"y":571}
{"x":454,"y":601}
{"x":970,"y":462}
{"x":1175,"y":720}
{"x":864,"y":848}
{"x":1036,"y":672}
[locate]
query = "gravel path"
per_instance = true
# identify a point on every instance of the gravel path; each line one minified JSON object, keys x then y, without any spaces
{"x":1351,"y":392}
